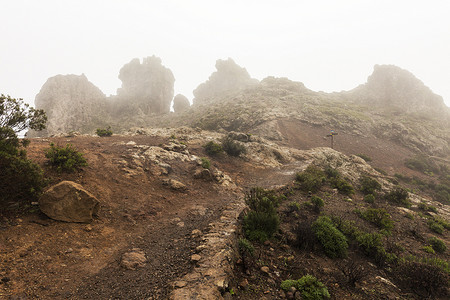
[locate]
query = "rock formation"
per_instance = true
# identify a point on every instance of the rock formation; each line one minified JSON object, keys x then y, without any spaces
{"x":228,"y":77}
{"x":392,"y":87}
{"x":68,"y":201}
{"x":71,"y":103}
{"x":180,"y":103}
{"x":147,"y":86}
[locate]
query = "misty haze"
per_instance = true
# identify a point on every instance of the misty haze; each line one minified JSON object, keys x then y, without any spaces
{"x":224,"y":150}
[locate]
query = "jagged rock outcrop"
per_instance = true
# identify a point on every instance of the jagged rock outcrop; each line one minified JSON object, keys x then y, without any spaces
{"x":71,"y":103}
{"x":146,"y":86}
{"x":392,"y":87}
{"x":228,"y":77}
{"x":180,"y":103}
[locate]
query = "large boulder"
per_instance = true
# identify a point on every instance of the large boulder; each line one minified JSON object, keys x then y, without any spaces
{"x":180,"y":103}
{"x":228,"y":77}
{"x":70,"y":202}
{"x":71,"y":103}
{"x":146,"y":86}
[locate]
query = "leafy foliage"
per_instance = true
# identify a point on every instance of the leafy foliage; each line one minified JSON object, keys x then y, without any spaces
{"x":206,"y":164}
{"x":379,"y":217}
{"x":369,"y":185}
{"x":317,"y":203}
{"x":232,"y":147}
{"x":20,"y":178}
{"x":66,"y":159}
{"x":369,"y":198}
{"x":212,"y":148}
{"x":437,"y":244}
{"x":332,"y":240}
{"x":104,"y":132}
{"x":312,"y":179}
{"x":262,"y":221}
{"x":399,"y":196}
{"x":367,"y":158}
{"x":310,"y":287}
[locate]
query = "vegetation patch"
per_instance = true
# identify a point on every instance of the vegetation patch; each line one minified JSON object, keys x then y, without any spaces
{"x":309,"y":287}
{"x":379,"y":217}
{"x":311,"y":180}
{"x":232,"y":147}
{"x":212,"y":148}
{"x":333,"y":241}
{"x":367,"y":158}
{"x":369,"y":185}
{"x":399,"y":196}
{"x":437,"y":244}
{"x":205,"y":163}
{"x":66,"y":159}
{"x":104,"y":131}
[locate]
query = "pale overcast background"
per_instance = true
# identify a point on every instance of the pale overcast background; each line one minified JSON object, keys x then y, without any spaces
{"x":328,"y":45}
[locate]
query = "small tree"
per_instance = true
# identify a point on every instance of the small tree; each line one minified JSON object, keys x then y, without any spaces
{"x":20,"y":178}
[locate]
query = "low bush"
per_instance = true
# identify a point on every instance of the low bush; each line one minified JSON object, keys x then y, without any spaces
{"x":436,"y":227}
{"x":311,"y":180}
{"x":399,"y":196}
{"x":371,"y":243}
{"x":104,"y":132}
{"x":262,"y":221}
{"x":353,"y":272}
{"x":306,"y":239}
{"x":428,"y":249}
{"x":369,"y":198}
{"x":426,"y":280}
{"x":246,"y":247}
{"x":337,"y":182}
{"x":66,"y":158}
{"x":317,"y":203}
{"x":332,"y":240}
{"x":369,"y":185}
{"x":437,"y":244}
{"x":293,"y":206}
{"x":379,"y":217}
{"x":206,"y":164}
{"x":212,"y":148}
{"x":232,"y":147}
{"x":308,"y":286}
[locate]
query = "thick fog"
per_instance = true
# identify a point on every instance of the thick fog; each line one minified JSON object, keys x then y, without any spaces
{"x":327,"y":45}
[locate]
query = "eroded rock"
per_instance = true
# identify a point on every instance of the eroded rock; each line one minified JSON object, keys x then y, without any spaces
{"x":70,"y":202}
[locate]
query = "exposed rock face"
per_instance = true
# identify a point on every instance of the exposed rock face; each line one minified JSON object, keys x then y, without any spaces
{"x":147,"y":85}
{"x":391,"y":86}
{"x":228,"y":77}
{"x":70,"y":102}
{"x":134,"y":259}
{"x":180,"y":103}
{"x":68,"y":201}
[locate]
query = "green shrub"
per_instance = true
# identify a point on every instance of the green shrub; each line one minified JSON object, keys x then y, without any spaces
{"x":428,"y":249}
{"x":437,"y":244}
{"x":369,"y":198}
{"x":379,"y":217}
{"x":332,"y":240}
{"x":293,"y":206}
{"x":262,"y":221}
{"x":206,"y":164}
{"x":422,"y":164}
{"x":365,"y":157}
{"x":312,"y":179}
{"x":369,"y":185}
{"x":232,"y":147}
{"x":309,"y":287}
{"x":371,"y":243}
{"x":317,"y":203}
{"x":246,"y":247}
{"x":66,"y":158}
{"x":104,"y":132}
{"x":436,"y":227}
{"x":212,"y":148}
{"x":399,"y":196}
{"x":337,"y":182}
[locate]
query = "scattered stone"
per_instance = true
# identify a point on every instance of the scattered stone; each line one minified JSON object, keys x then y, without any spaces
{"x":265,"y":269}
{"x":196,"y":233}
{"x":195,"y":258}
{"x":202,"y":174}
{"x":174,"y":184}
{"x":244,"y":284}
{"x":179,"y":284}
{"x":134,"y":259}
{"x":88,"y":228}
{"x":70,"y":202}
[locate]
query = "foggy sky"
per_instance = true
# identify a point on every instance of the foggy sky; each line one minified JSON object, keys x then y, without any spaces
{"x":328,"y":45}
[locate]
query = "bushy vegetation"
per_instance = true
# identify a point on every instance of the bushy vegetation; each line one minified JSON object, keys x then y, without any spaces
{"x":104,"y":132}
{"x":369,"y":198}
{"x":332,"y":240}
{"x":310,"y":288}
{"x":20,"y":178}
{"x":311,"y":180}
{"x":205,"y":163}
{"x":399,"y":196}
{"x":232,"y":147}
{"x":379,"y":217}
{"x":212,"y":148}
{"x":369,"y":185}
{"x":422,"y":164}
{"x":317,"y":203}
{"x":65,"y":159}
{"x":336,"y":181}
{"x":246,"y":247}
{"x":437,"y":244}
{"x":262,"y":221}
